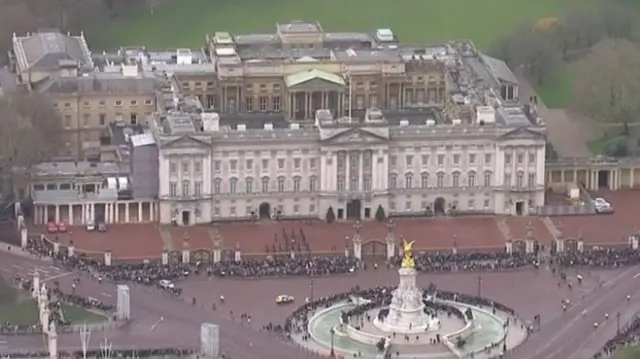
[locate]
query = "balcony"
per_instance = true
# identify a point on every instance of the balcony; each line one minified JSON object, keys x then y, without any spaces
{"x":188,"y":198}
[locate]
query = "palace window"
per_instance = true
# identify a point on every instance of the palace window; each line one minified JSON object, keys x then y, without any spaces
{"x":424,"y":180}
{"x":248,"y":185}
{"x":456,"y":179}
{"x":233,"y":185}
{"x":471,"y":178}
{"x":367,"y":183}
{"x":408,"y":181}
{"x":440,"y":180}
{"x":185,"y":188}
{"x":281,"y":181}
{"x":312,"y":183}
{"x":296,"y":183}
{"x":217,"y":186}
{"x":393,"y":181}
{"x":341,"y":184}
{"x":173,"y":189}
{"x":265,"y":184}
{"x":487,"y":179}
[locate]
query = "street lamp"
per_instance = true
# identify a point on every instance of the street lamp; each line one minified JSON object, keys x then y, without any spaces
{"x":479,"y":285}
{"x":311,"y":291}
{"x":333,"y":332}
{"x":357,"y":226}
{"x":390,"y":225}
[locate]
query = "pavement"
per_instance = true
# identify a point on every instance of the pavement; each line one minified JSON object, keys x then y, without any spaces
{"x":157,"y":316}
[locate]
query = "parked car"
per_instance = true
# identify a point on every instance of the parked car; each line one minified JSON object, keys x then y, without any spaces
{"x":166,"y":284}
{"x":284,"y":299}
{"x":102,"y":227}
{"x":52,"y":227}
{"x":91,"y":226}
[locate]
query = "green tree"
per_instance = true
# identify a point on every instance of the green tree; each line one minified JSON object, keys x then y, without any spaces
{"x":380,"y":215}
{"x":330,"y":217}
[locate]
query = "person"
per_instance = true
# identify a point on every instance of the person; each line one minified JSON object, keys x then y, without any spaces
{"x":606,"y":316}
{"x":595,"y":325}
{"x":222,"y":299}
{"x":628,"y":297}
{"x":584,"y":312}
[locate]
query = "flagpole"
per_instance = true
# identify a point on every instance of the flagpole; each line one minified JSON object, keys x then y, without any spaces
{"x":350,"y":95}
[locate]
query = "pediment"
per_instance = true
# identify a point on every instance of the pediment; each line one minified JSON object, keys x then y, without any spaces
{"x":523,"y":133}
{"x":186,"y":141}
{"x":317,"y":84}
{"x":355,"y":136}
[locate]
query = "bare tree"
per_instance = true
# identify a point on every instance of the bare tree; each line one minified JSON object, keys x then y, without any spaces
{"x":607,"y":87}
{"x":30,"y":131}
{"x":578,"y":32}
{"x":618,"y":20}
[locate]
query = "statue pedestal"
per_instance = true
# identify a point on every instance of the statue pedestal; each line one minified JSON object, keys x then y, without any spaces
{"x":406,"y":312}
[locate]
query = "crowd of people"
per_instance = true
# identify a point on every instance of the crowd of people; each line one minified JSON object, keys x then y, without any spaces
{"x":107,"y":353}
{"x":600,"y":258}
{"x":281,"y":267}
{"x":628,"y":336}
{"x":473,"y":261}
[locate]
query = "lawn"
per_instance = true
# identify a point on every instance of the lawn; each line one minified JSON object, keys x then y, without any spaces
{"x":184,"y":23}
{"x":18,"y":308}
{"x":556,"y":91}
{"x":627,"y":353}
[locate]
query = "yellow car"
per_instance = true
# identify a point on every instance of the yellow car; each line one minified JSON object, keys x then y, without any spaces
{"x":284,"y":299}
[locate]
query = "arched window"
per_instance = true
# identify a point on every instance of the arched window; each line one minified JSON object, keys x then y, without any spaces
{"x":440,"y":179}
{"x":281,"y":181}
{"x":233,"y":185}
{"x":520,"y":179}
{"x":264,"y":184}
{"x":217,"y":185}
{"x":408,"y":180}
{"x":296,"y":183}
{"x":424,"y":180}
{"x":393,"y":181}
{"x":455,"y":179}
{"x":487,"y":178}
{"x":471,"y":179}
{"x":248,"y":184}
{"x":312,"y":183}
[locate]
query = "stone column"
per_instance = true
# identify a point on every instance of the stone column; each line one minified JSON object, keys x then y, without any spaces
{"x":53,"y":341}
{"x":580,"y":245}
{"x":45,"y":314}
{"x":56,"y":248}
{"x":186,"y":252}
{"x":165,"y":257}
{"x":46,"y":214}
{"x":57,"y":213}
{"x":71,"y":215}
{"x":559,"y":245}
{"x":238,"y":254}
{"x":107,"y":258}
{"x":292,"y":254}
{"x":152,"y":214}
{"x":72,"y":250}
{"x":633,"y":241}
{"x":509,"y":246}
{"x":93,"y":212}
{"x":390,"y":239}
{"x":217,"y":247}
{"x":126,"y":213}
{"x":139,"y":212}
{"x":35,"y":293}
{"x":357,"y":246}
{"x":116,"y":218}
{"x":346,"y":251}
{"x":361,"y":175}
{"x":23,"y":237}
{"x":529,"y":245}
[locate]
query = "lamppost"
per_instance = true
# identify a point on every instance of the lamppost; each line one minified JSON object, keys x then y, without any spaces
{"x":390,"y":225}
{"x":357,"y":226}
{"x":311,"y":291}
{"x":333,"y":353}
{"x":618,"y":322}
{"x":479,"y":285}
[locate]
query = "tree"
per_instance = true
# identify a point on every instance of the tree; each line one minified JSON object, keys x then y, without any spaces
{"x":607,"y":85}
{"x":380,"y":215}
{"x":330,"y":217}
{"x":30,"y":133}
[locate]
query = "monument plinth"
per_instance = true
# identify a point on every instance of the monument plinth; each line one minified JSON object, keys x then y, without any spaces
{"x":406,"y":311}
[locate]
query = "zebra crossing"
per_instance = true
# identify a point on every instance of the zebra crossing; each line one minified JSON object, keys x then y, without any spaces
{"x":47,"y":272}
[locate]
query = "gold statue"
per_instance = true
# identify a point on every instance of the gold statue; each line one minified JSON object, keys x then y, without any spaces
{"x":407,"y":254}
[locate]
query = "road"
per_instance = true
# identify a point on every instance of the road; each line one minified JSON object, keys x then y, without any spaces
{"x":572,"y":335}
{"x":147,"y":305}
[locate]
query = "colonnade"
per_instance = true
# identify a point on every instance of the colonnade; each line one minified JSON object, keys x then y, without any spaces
{"x":81,"y":213}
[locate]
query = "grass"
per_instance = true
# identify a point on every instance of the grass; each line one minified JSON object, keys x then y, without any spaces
{"x":17,"y":308}
{"x":184,"y":23}
{"x":627,"y":353}
{"x":556,"y":91}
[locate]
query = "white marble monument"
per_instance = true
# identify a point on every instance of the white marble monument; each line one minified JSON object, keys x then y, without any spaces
{"x":406,"y":311}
